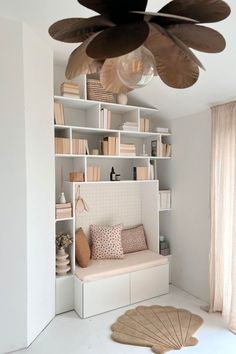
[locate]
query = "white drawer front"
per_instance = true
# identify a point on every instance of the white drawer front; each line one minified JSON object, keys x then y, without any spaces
{"x":106,"y":294}
{"x":148,"y":283}
{"x":64,"y":294}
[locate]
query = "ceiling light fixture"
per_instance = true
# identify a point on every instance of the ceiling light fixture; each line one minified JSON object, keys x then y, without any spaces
{"x":128,"y":46}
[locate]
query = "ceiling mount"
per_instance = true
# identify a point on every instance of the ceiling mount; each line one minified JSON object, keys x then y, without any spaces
{"x":123,"y":26}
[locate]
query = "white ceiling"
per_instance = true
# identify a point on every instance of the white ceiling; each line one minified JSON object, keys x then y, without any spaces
{"x":216,"y":85}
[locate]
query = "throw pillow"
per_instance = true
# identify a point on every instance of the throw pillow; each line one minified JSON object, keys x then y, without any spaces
{"x":82,"y":249}
{"x":133,"y":240}
{"x":106,"y":242}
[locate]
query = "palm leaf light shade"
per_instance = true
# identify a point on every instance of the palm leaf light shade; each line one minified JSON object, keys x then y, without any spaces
{"x":128,"y":46}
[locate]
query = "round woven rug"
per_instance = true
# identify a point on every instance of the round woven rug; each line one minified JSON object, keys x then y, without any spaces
{"x":162,"y":328}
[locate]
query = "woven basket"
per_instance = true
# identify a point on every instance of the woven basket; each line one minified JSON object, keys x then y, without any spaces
{"x":96,"y":92}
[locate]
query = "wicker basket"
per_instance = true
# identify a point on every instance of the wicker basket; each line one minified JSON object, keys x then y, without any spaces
{"x":96,"y":92}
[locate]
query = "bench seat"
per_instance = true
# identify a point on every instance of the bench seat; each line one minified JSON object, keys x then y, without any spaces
{"x":100,"y":269}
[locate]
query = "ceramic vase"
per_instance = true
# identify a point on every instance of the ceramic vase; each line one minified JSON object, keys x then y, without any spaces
{"x":62,"y":198}
{"x":122,"y":98}
{"x":62,"y":262}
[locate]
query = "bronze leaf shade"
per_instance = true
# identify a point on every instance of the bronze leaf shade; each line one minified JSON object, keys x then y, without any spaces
{"x":121,"y":27}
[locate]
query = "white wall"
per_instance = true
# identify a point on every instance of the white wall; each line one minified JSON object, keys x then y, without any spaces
{"x":188,"y":225}
{"x":13,"y":249}
{"x":38,"y":87}
{"x":27,"y":268}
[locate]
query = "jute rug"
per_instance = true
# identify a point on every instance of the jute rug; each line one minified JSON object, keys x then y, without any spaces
{"x":162,"y":328}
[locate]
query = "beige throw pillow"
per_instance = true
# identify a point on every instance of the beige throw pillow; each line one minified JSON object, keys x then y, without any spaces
{"x":106,"y":242}
{"x":133,"y":240}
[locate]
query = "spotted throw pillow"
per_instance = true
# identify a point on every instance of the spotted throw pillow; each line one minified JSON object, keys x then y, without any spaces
{"x":106,"y":242}
{"x":133,"y":240}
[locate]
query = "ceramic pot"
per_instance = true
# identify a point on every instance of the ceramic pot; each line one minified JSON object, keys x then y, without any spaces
{"x":122,"y":98}
{"x":62,"y":262}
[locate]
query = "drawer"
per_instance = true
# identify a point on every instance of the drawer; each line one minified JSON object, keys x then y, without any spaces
{"x":105,"y":295}
{"x":64,"y":294}
{"x":148,"y":283}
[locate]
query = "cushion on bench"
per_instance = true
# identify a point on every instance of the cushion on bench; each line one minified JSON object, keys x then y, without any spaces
{"x":100,"y":269}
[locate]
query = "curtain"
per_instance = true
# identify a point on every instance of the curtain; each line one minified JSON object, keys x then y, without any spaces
{"x":223,"y":213}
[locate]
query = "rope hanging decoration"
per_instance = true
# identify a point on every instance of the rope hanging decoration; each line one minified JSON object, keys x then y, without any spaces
{"x":80,"y":204}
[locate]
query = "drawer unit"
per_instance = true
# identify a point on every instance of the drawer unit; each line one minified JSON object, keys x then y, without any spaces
{"x":148,"y":283}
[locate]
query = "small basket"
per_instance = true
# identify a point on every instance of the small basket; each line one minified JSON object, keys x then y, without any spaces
{"x":96,"y":92}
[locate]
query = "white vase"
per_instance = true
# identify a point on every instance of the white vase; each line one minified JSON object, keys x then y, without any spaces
{"x":122,"y":98}
{"x":62,"y":262}
{"x":62,"y":198}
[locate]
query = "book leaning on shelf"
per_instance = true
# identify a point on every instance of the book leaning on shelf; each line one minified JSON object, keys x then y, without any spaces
{"x":59,"y":114}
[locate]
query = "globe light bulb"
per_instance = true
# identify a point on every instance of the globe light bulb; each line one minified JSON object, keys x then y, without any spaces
{"x":136,"y":69}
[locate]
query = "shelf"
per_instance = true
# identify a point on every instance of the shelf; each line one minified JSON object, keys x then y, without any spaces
{"x":66,"y":219}
{"x":85,"y":104}
{"x":113,"y":157}
{"x":88,"y":130}
{"x":165,"y":209}
{"x":114,"y":182}
{"x":68,"y":275}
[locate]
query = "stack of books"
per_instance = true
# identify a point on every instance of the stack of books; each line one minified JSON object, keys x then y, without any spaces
{"x":164,"y":199}
{"x":63,"y":211}
{"x":127,"y":150}
{"x":166,"y":150}
{"x":80,"y":147}
{"x":105,"y":118}
{"x":140,"y":173}
{"x":70,"y":90}
{"x":59,"y":113}
{"x":93,"y":173}
{"x":144,"y":125}
{"x":129,"y":126}
{"x":62,"y":146}
{"x":110,"y":146}
{"x":156,"y":148}
{"x":161,"y":130}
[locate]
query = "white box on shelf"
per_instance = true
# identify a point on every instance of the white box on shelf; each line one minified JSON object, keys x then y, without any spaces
{"x":164,"y":199}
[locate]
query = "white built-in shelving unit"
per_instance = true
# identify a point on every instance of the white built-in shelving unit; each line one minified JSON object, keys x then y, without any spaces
{"x":83,"y":121}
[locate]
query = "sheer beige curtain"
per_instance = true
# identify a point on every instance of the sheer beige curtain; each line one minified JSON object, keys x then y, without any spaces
{"x":223,"y":213}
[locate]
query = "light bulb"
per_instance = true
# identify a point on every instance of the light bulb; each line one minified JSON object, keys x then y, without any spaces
{"x":136,"y":69}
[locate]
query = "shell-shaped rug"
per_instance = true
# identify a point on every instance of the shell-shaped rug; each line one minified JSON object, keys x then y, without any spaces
{"x":162,"y":328}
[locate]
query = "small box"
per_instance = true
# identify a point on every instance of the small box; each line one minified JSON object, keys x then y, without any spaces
{"x":76,"y":176}
{"x":165,"y":252}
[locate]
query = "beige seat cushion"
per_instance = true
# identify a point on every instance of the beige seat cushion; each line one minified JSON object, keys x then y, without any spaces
{"x":100,"y":269}
{"x":82,"y":249}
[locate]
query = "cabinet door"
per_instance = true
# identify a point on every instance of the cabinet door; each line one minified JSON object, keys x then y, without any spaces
{"x":64,"y":294}
{"x":106,"y":294}
{"x":148,"y":283}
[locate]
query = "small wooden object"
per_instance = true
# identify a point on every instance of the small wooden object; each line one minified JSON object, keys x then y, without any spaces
{"x":76,"y":177}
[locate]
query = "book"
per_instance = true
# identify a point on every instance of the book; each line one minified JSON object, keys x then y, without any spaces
{"x":59,"y":113}
{"x":146,"y":125}
{"x":162,"y":130}
{"x":94,"y":173}
{"x":63,"y":205}
{"x":142,"y":126}
{"x":140,"y":173}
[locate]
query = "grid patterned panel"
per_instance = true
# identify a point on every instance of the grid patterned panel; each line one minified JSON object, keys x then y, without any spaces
{"x":110,"y":204}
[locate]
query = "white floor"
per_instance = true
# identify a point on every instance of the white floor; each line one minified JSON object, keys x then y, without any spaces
{"x":67,"y":334}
